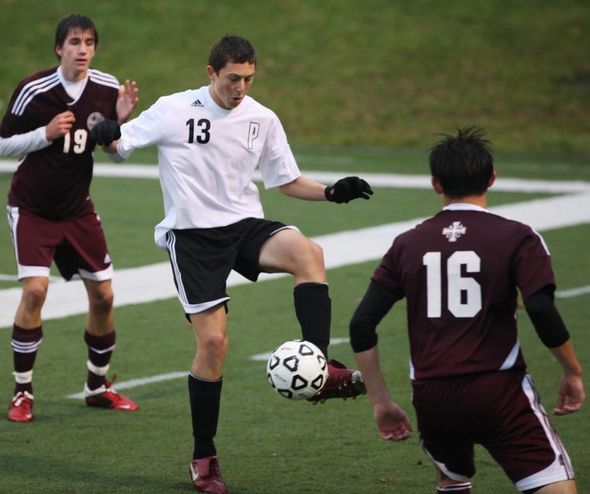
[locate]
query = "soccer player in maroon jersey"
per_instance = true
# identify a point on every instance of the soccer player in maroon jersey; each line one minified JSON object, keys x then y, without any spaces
{"x":50,"y":213}
{"x":459,"y":272}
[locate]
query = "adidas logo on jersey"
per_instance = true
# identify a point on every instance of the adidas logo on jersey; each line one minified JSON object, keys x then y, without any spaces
{"x":197,"y":103}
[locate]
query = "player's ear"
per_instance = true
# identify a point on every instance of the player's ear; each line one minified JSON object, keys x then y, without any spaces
{"x":492,"y":179}
{"x":211,"y":73}
{"x":436,"y":185}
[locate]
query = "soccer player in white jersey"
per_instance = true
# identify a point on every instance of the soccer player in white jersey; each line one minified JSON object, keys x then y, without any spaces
{"x":50,"y":213}
{"x":459,"y":272}
{"x":210,"y":142}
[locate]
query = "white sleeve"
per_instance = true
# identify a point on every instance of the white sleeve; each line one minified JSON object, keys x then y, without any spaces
{"x":20,"y":144}
{"x":144,"y":130}
{"x":277,"y":163}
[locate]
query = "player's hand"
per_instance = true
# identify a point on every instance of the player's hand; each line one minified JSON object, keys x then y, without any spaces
{"x":392,"y":422}
{"x":106,"y":132}
{"x":571,"y":395}
{"x":127,"y":100}
{"x":60,"y":125}
{"x":348,"y":188}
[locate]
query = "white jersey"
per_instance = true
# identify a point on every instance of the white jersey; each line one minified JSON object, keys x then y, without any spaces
{"x":207,"y":158}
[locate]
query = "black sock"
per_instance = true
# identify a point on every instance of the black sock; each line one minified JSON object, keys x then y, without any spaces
{"x":204,"y":399}
{"x":313,"y":308}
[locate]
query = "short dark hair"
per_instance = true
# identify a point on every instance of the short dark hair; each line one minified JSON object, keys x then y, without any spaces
{"x":231,"y":48}
{"x":462,"y":163}
{"x":74,"y":21}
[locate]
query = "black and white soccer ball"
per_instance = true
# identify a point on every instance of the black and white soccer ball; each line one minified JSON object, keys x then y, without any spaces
{"x":297,"y":369}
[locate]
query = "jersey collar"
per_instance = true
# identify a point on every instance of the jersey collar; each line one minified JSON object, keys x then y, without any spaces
{"x":464,"y":206}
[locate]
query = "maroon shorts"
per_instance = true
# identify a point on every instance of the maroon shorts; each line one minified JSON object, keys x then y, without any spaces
{"x":78,"y":246}
{"x":500,"y":411}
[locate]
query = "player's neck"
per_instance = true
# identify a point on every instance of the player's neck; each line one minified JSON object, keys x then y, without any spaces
{"x":480,"y":201}
{"x":73,"y":75}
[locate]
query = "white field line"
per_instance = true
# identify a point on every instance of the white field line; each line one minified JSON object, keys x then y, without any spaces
{"x":8,"y":277}
{"x":263,"y":357}
{"x":573,"y":292}
{"x":134,"y":383}
{"x":154,"y":282}
{"x":375,"y":179}
{"x":169,"y":376}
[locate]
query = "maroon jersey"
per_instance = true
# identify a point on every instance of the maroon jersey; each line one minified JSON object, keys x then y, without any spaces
{"x":459,"y":272}
{"x":54,"y":182}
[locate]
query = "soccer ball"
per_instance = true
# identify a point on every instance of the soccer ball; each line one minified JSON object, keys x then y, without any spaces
{"x":297,"y":369}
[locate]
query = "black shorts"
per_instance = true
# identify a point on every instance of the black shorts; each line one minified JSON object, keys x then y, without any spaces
{"x":502,"y":412}
{"x":202,"y":259}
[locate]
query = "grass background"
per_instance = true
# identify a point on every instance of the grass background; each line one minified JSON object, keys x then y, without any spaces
{"x":360,"y":87}
{"x":378,"y":73}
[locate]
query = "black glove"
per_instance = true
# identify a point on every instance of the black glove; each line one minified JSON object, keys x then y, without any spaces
{"x":348,"y":188}
{"x":106,"y":132}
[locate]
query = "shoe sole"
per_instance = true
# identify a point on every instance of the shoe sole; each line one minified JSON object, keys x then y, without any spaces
{"x":20,"y":421}
{"x":355,"y":388}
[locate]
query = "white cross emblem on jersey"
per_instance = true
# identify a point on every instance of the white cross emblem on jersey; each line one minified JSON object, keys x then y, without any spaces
{"x":454,"y":231}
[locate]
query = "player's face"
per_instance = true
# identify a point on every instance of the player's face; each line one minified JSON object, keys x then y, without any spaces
{"x":229,"y":87}
{"x":76,"y":54}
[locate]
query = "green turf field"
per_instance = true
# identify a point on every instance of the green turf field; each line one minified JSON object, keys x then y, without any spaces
{"x":268,"y":445}
{"x":361,"y":87}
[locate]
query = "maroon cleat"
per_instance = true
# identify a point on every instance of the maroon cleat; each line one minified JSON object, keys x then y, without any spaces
{"x":21,"y":407}
{"x":206,"y":475}
{"x":341,"y":383}
{"x":106,"y":397}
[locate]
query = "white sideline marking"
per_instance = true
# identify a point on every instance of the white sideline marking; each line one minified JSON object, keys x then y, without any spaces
{"x":154,"y":282}
{"x":263,"y":357}
{"x":8,"y":277}
{"x":375,"y":179}
{"x":573,"y":292}
{"x":134,"y":383}
{"x":149,"y":283}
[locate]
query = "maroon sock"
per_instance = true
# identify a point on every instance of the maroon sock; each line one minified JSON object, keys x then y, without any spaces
{"x":25,"y":343}
{"x":100,"y":349}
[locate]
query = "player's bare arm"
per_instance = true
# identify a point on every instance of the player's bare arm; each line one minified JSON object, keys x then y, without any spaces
{"x":392,"y":422}
{"x":59,"y":126}
{"x":127,"y":100}
{"x":304,"y":188}
{"x":571,"y":387}
{"x":344,"y":190}
{"x":553,"y":333}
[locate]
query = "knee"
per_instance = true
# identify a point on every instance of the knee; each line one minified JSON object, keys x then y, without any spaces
{"x":102,"y":301}
{"x":214,"y":345}
{"x":308,"y":264}
{"x":34,"y":296}
{"x":317,"y":252}
{"x":310,"y":255}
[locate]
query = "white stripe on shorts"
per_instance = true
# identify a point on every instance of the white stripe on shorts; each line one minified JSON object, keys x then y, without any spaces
{"x":181,"y":292}
{"x":171,"y":243}
{"x":561,"y":468}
